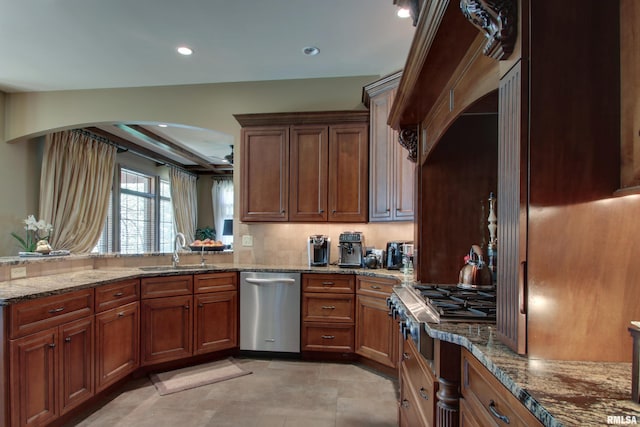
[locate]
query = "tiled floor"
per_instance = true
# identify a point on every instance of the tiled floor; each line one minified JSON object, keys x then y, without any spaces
{"x":280,"y":393}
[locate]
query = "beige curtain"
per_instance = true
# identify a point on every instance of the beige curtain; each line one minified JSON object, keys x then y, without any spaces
{"x":184,"y":197}
{"x":75,"y":186}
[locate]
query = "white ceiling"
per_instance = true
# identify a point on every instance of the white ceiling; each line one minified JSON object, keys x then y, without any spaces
{"x":88,"y":44}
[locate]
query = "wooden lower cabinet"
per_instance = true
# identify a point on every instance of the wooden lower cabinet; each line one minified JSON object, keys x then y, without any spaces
{"x":117,"y":343}
{"x":418,"y":387}
{"x":216,"y":321}
{"x":167,"y":329}
{"x":51,"y":372}
{"x":328,"y":313}
{"x":376,"y":332}
{"x":485,"y":401}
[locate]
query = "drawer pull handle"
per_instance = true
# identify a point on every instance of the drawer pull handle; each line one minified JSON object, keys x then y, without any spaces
{"x":67,"y":339}
{"x":118,"y":294}
{"x":498,"y":415}
{"x":406,"y":356}
{"x":375,"y":287}
{"x":200,"y":305}
{"x":186,"y":307}
{"x":405,"y":403}
{"x":328,"y":307}
{"x":328,"y":337}
{"x":56,"y":310}
{"x":121,"y":314}
{"x":423,"y":393}
{"x":327,"y":283}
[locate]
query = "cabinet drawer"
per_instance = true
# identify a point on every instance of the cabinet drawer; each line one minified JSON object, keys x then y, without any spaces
{"x":117,"y":294}
{"x":215,"y":282}
{"x":375,"y":287}
{"x":328,"y":308}
{"x":335,"y":283}
{"x":422,"y":381}
{"x":36,"y":315}
{"x":327,"y":337}
{"x":412,"y":403}
{"x":166,"y":286}
{"x":488,"y":399}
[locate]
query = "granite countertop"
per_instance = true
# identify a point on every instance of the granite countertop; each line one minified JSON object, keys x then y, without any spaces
{"x":14,"y":291}
{"x":558,"y":393}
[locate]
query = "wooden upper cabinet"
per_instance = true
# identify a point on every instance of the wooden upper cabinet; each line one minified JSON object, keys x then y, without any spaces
{"x":348,"y":173}
{"x":309,"y":156}
{"x":305,"y":167}
{"x":391,"y":173}
{"x":265,"y":174}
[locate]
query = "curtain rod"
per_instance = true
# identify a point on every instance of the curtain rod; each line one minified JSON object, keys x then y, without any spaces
{"x":122,"y":149}
{"x":221,"y":178}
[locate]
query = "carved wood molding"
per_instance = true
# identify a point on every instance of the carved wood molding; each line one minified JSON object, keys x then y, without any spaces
{"x":408,"y":138}
{"x":498,"y":20}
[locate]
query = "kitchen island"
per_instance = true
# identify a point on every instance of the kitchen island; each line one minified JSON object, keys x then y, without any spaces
{"x":556,"y":392}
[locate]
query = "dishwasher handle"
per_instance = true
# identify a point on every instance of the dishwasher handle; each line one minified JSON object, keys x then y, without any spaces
{"x":258,"y":281}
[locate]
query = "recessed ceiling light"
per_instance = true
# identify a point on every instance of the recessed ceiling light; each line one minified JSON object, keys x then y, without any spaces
{"x":184,"y":50}
{"x":403,"y":13}
{"x":310,"y":50}
{"x":162,"y":125}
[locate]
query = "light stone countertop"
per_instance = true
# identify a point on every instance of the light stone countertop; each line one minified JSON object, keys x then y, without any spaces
{"x":558,"y":393}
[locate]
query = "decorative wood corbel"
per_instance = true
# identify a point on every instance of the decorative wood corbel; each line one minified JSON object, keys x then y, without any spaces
{"x":408,"y":138}
{"x":498,"y":20}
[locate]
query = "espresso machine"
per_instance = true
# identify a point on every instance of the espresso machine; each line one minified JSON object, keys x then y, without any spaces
{"x":318,"y":247}
{"x":351,"y":247}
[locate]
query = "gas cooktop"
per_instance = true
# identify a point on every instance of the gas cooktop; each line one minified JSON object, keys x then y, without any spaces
{"x":452,"y":303}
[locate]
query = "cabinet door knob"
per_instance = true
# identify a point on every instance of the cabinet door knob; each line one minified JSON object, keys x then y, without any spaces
{"x":423,"y":393}
{"x":406,"y":356}
{"x":498,"y":415}
{"x":67,"y":339}
{"x":186,"y":307}
{"x":333,"y":211}
{"x":321,"y":211}
{"x":405,"y":403}
{"x":200,"y":305}
{"x":52,"y":345}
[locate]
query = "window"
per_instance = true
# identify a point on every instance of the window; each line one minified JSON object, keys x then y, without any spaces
{"x":145,"y":216}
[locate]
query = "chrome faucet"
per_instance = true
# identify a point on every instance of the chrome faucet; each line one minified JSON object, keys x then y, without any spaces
{"x":179,"y":243}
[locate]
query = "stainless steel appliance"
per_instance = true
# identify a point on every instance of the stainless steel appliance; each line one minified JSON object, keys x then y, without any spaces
{"x":270,"y":312}
{"x":395,"y":254}
{"x":319,"y":250}
{"x":445,"y":303}
{"x":351,"y":247}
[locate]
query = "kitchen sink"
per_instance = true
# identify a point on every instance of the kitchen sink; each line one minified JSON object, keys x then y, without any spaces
{"x":178,"y":267}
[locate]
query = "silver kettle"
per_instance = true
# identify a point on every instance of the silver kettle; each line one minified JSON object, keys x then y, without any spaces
{"x":475,"y":274}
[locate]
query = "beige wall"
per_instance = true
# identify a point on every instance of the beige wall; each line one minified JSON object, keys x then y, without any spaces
{"x":212,"y":106}
{"x":19,"y":184}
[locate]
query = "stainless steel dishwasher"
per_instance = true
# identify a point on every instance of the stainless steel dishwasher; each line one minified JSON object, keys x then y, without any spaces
{"x":270,"y":312}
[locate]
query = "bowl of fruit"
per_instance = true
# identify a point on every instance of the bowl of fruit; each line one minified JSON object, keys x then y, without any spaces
{"x":207,"y":245}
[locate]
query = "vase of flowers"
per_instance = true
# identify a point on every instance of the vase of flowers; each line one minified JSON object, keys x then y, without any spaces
{"x":35,"y":232}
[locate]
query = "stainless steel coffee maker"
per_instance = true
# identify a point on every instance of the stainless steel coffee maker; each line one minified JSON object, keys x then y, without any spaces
{"x":319,"y":250}
{"x":351,"y":247}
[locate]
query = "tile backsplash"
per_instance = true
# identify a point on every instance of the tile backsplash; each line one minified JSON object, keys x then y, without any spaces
{"x":286,"y":244}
